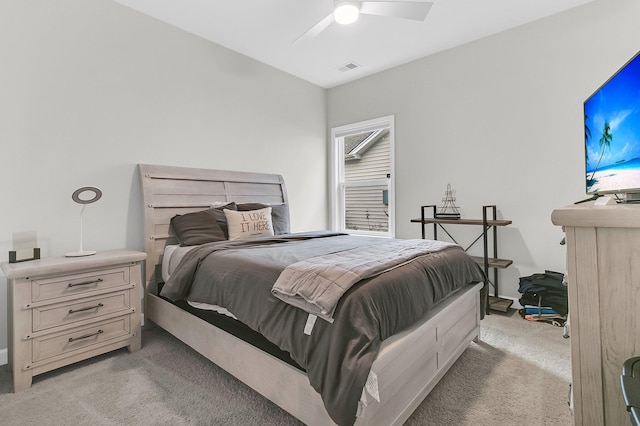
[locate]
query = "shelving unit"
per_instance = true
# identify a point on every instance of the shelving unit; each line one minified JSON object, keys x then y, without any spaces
{"x":489,"y":224}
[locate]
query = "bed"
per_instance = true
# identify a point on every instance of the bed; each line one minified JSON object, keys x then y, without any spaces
{"x":406,"y":366}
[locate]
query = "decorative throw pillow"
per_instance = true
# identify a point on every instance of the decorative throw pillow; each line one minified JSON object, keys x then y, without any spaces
{"x":279,"y":215}
{"x":197,"y":228}
{"x":248,"y":224}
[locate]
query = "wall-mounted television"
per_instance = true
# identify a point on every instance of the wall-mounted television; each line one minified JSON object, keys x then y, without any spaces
{"x":612,"y":134}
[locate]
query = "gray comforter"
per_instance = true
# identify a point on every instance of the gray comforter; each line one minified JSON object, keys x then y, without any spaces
{"x":239,"y":275}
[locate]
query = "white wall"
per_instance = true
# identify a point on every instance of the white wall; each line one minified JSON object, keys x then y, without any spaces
{"x":499,"y":119}
{"x":90,"y":88}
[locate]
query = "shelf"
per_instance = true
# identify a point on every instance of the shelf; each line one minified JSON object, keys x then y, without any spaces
{"x":493,"y":262}
{"x":489,"y":224}
{"x":499,"y":304}
{"x":498,"y":222}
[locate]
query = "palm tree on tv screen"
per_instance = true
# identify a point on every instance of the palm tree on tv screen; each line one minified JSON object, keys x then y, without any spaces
{"x":587,"y":136}
{"x":605,"y":142}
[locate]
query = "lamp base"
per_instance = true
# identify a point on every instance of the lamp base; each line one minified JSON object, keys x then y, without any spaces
{"x":80,"y":253}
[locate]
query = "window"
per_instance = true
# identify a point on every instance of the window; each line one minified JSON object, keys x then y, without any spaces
{"x":362,"y":184}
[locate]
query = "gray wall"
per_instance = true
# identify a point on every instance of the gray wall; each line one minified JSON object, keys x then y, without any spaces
{"x":90,"y":88}
{"x":501,"y":120}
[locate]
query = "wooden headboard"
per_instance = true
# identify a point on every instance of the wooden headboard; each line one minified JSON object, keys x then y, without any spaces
{"x":169,"y":190}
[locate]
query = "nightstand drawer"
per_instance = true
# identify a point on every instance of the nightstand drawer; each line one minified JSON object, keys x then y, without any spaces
{"x":69,"y":285}
{"x":80,"y":339}
{"x":54,"y":315}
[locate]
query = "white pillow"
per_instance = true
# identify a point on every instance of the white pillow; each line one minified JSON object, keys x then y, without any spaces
{"x":249,"y":223}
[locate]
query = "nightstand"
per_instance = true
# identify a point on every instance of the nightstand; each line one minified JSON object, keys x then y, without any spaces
{"x":63,"y":310}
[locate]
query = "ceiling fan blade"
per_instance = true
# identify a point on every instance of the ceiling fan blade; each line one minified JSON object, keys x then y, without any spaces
{"x":414,"y":10}
{"x":316,"y":29}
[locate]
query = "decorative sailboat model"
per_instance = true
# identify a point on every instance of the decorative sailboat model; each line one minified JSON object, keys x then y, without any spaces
{"x":449,"y":210}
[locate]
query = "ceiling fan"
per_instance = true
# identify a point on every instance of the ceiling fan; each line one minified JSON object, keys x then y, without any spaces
{"x":347,"y":11}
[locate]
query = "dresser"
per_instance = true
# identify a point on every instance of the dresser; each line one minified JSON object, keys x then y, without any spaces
{"x":63,"y":310}
{"x":603,"y":271}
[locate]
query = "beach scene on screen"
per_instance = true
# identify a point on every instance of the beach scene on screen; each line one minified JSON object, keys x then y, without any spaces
{"x":612,"y":133}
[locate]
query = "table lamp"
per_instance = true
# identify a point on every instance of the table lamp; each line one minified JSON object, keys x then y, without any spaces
{"x":80,"y":196}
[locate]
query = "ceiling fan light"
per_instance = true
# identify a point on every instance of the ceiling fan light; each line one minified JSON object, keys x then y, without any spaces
{"x":346,"y":12}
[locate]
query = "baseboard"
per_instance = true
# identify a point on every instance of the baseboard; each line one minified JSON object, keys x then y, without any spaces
{"x":516,"y":302}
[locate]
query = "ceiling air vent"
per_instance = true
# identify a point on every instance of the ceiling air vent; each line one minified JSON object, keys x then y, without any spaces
{"x":349,"y":66}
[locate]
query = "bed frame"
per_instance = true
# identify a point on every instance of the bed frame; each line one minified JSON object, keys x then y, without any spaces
{"x":408,"y":366}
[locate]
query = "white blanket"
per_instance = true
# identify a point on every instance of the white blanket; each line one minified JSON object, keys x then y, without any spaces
{"x":317,"y":284}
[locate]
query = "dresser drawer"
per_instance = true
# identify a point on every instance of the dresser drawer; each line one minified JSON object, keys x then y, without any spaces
{"x":80,"y":339}
{"x":49,"y":316}
{"x":73,"y":284}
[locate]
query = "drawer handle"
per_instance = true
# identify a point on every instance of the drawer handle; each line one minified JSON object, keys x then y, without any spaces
{"x":73,"y":339}
{"x":99,"y":280}
{"x":88,"y":308}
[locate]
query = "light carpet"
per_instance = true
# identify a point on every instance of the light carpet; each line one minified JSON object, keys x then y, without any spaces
{"x":518,"y":374}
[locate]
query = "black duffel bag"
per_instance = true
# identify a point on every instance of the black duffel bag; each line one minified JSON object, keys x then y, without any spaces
{"x":545,"y":289}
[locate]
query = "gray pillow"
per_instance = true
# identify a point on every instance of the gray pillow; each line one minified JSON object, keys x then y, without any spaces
{"x":279,"y":215}
{"x":221,"y":219}
{"x":197,"y":228}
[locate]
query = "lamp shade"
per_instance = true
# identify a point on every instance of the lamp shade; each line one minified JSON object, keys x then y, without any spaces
{"x":80,"y":195}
